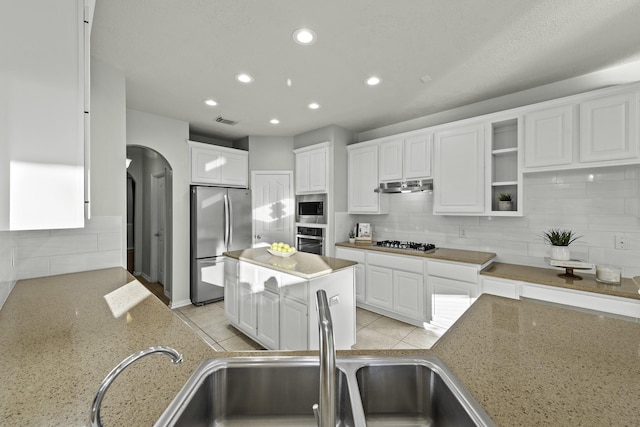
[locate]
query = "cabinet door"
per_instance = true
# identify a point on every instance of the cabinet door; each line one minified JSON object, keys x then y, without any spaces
{"x":390,"y":164}
{"x":459,"y":179}
{"x":42,"y":98}
{"x":206,"y":165}
{"x":318,"y":170}
{"x":417,"y":156}
{"x":449,"y":299}
{"x":247,"y":308}
{"x":235,"y":169}
{"x":608,"y":128}
{"x":302,"y":172}
{"x":360,"y":283}
{"x":268,"y":321}
{"x":231,"y":298}
{"x":362,"y":179}
{"x":380,"y":286}
{"x":293,"y":334}
{"x":408,"y":294}
{"x":548,"y":139}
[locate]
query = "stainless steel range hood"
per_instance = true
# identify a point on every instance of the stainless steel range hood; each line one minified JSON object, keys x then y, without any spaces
{"x":405,"y":186}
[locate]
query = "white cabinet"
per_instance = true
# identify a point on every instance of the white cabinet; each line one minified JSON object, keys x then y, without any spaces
{"x":362,"y":180}
{"x":501,"y":288}
{"x":294,"y":314}
{"x":215,"y":165}
{"x":360,"y":276}
{"x":459,"y":176}
{"x":231,"y":297}
{"x":549,"y":137}
{"x":391,"y":158}
{"x":417,"y":156}
{"x":452,"y":288}
{"x":406,"y":158}
{"x":608,"y":128}
{"x":268,"y":319}
{"x":504,"y":175}
{"x":408,"y":294}
{"x":247,"y":308}
{"x":380,"y":286}
{"x":42,"y":105}
{"x":312,"y":169}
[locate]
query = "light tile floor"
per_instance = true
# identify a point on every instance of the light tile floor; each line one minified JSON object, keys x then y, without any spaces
{"x":373,"y":331}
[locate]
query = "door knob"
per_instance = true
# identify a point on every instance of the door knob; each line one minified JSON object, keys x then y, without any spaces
{"x":258,"y":236}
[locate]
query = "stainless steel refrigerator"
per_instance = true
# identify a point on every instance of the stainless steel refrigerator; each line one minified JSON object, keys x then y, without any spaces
{"x":220,"y":222}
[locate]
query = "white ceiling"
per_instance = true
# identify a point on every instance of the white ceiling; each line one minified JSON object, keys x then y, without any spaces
{"x":176,"y":53}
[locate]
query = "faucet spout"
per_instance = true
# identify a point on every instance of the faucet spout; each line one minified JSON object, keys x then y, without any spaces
{"x":104,"y":386}
{"x":326,"y":410}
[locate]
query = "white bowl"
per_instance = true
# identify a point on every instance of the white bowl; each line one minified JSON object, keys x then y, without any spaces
{"x":281,"y":254}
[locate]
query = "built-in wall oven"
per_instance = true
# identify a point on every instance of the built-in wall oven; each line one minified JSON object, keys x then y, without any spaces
{"x":311,"y":240}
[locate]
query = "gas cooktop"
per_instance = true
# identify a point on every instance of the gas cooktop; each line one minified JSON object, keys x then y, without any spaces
{"x":410,"y":246}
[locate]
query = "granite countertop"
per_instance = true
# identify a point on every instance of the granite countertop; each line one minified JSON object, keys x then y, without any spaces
{"x":61,"y":335}
{"x":629,"y":288}
{"x":527,"y":363}
{"x":301,"y":264}
{"x":531,"y":363}
{"x":457,"y":255}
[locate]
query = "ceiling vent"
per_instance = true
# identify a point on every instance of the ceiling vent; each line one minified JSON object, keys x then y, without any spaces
{"x":224,"y":121}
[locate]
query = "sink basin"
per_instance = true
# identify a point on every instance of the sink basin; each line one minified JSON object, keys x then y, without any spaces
{"x":280,"y":391}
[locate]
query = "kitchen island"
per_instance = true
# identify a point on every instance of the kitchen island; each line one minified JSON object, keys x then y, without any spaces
{"x":527,"y":363}
{"x":272,"y":299}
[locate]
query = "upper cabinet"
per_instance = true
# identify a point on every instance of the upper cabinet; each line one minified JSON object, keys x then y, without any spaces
{"x":459,"y":175}
{"x":406,"y":158}
{"x":608,"y":128}
{"x":504,"y":177}
{"x":312,"y":169}
{"x":42,"y":81}
{"x":549,"y":137}
{"x":594,"y":129}
{"x":215,"y":165}
{"x":362,"y":180}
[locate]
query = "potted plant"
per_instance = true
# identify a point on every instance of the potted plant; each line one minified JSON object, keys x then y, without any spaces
{"x":504,"y":202}
{"x":560,"y":241}
{"x":352,"y":236}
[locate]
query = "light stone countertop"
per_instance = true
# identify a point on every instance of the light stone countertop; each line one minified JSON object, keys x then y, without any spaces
{"x":457,"y":255}
{"x":301,"y":264}
{"x":628,"y":288}
{"x":527,"y":363}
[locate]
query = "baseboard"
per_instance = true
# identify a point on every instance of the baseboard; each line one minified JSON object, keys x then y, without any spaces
{"x":145,"y":277}
{"x":181,"y":303}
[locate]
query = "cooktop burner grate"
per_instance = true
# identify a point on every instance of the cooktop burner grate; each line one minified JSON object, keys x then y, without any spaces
{"x":411,"y":246}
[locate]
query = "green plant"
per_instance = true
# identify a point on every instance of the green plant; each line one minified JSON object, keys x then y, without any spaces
{"x":504,"y":197}
{"x":557,"y":237}
{"x":352,"y":234}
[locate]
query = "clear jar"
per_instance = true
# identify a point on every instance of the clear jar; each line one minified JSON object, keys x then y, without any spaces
{"x":609,"y":274}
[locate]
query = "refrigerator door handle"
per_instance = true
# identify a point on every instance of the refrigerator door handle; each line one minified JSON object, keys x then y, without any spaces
{"x":227,"y":222}
{"x":230,"y":222}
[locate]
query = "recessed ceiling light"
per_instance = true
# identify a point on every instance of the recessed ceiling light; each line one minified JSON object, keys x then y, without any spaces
{"x":314,"y":105}
{"x":274,"y":121}
{"x":210,"y":102}
{"x":289,"y":83}
{"x":304,"y":36}
{"x":244,"y":78}
{"x":373,"y":80}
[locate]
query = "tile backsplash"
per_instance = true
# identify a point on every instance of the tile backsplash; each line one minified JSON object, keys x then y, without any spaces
{"x":8,"y":264}
{"x":597,"y":204}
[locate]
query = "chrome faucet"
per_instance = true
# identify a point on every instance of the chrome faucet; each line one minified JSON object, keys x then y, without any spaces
{"x":325,"y":410}
{"x":104,"y":386}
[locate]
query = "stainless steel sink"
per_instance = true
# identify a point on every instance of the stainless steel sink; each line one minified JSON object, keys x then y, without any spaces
{"x":280,"y":391}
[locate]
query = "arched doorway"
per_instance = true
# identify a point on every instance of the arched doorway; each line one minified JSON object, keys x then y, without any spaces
{"x":149,"y":231}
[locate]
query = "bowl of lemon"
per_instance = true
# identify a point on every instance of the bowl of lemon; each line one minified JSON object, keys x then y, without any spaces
{"x":281,"y":249}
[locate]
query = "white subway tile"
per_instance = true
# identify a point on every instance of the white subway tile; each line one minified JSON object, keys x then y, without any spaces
{"x":556,"y":191}
{"x":612,"y":189}
{"x":84,"y":262}
{"x":57,"y":245}
{"x":109,"y":241}
{"x":33,"y":267}
{"x":618,"y":223}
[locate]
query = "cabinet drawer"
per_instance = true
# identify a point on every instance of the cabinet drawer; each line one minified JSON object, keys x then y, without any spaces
{"x":508,"y":289}
{"x":461,"y":272}
{"x":351,"y":255}
{"x":406,"y":263}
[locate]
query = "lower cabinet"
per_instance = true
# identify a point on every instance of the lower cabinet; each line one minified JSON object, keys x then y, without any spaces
{"x":358,"y":256}
{"x":380,"y":286}
{"x":450,"y":299}
{"x":408,"y":294}
{"x":277,"y":310}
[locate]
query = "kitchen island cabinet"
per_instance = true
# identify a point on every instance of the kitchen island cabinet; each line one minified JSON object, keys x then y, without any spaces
{"x":273,"y":299}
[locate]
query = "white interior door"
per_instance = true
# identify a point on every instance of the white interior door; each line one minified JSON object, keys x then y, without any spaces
{"x":158,"y":226}
{"x":273,"y":207}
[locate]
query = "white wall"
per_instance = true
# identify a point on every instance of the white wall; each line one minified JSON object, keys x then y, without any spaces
{"x":101,"y":243}
{"x":168,"y":137}
{"x":270,"y":153}
{"x":595,"y":203}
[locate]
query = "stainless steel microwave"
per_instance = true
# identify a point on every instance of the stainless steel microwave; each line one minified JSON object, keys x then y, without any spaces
{"x":311,"y":209}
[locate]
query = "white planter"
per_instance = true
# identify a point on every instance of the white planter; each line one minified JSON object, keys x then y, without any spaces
{"x":352,"y":240}
{"x":561,"y":253}
{"x":505,"y":205}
